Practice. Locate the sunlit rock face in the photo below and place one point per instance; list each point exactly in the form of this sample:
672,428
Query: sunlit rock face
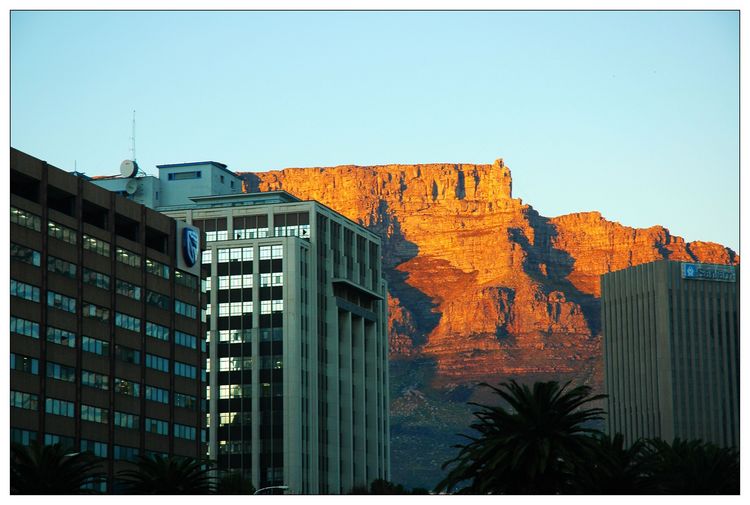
478,279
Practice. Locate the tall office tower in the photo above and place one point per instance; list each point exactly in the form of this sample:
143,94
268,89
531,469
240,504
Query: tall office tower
107,348
297,333
671,351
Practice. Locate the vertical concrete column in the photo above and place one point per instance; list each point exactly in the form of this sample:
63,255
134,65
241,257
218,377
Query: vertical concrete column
372,438
292,362
359,434
255,349
344,402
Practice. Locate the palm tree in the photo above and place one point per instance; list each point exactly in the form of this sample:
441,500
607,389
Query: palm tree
693,467
156,474
50,469
531,447
614,469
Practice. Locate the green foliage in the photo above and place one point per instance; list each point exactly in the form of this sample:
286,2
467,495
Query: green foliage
531,447
382,486
50,469
614,469
234,483
169,475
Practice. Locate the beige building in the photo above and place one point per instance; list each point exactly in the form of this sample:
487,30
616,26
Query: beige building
671,351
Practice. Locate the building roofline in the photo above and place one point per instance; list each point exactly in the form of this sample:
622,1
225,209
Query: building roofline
258,194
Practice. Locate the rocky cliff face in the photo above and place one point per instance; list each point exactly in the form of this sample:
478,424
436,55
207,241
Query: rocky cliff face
480,281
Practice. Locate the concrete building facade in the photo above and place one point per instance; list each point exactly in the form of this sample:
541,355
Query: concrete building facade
298,347
671,351
107,348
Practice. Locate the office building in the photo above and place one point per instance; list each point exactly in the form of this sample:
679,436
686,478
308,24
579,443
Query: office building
297,333
671,351
107,342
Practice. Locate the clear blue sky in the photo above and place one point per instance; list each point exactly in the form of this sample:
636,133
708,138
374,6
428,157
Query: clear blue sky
634,114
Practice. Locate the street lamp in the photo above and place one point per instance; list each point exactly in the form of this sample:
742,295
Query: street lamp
271,487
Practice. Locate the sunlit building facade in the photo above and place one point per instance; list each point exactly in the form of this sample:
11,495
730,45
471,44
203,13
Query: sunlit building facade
298,348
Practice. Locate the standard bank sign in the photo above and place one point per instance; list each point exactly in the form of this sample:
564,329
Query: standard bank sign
188,248
704,272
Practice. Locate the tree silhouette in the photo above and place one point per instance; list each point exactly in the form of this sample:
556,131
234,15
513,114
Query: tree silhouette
51,469
157,474
531,447
614,469
692,467
234,483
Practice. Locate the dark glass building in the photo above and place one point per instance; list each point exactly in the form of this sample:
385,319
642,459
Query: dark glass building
107,338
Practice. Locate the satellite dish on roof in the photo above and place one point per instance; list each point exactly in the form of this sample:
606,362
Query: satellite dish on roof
131,186
128,168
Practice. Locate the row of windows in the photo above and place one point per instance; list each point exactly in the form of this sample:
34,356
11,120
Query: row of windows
232,308
25,364
157,331
25,219
22,400
185,309
94,380
157,394
127,387
127,322
157,362
125,420
185,279
156,268
61,337
157,426
234,254
183,431
24,327
23,290
157,299
60,407
61,232
267,252
95,245
185,339
268,306
95,278
185,370
127,257
96,312
127,289
235,391
25,254
61,302
62,267
230,363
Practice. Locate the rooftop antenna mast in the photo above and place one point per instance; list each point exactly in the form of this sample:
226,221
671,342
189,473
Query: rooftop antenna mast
132,139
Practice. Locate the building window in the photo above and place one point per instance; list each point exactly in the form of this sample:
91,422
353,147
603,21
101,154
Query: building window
127,355
157,331
61,372
24,327
95,245
125,420
157,426
25,254
185,339
99,449
60,232
183,431
23,290
206,256
158,269
185,370
185,309
181,176
94,346
25,219
23,437
59,407
231,363
128,289
123,453
95,278
94,414
127,387
62,267
61,337
61,302
155,394
94,380
185,279
95,312
127,257
157,299
127,322
24,364
22,400
157,363
184,401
